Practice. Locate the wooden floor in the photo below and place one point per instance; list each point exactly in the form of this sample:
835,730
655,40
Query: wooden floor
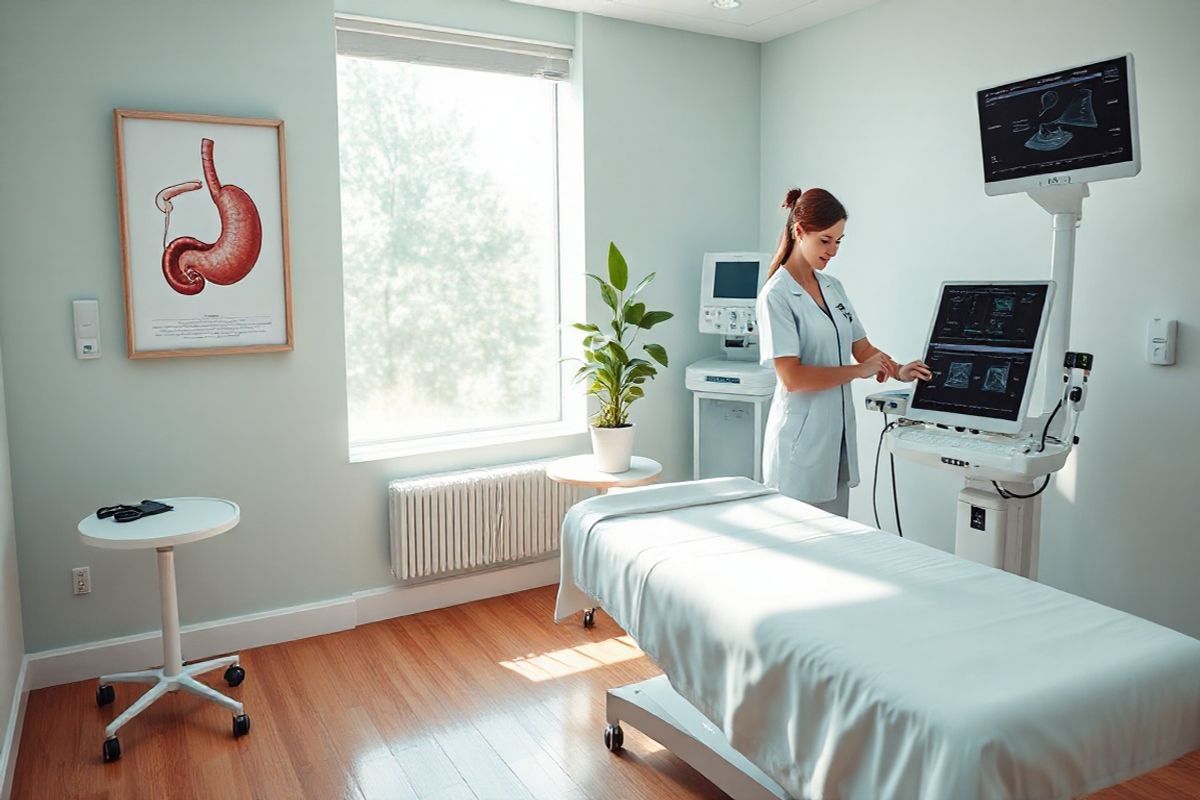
486,700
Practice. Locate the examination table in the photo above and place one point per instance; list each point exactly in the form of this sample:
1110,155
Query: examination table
847,663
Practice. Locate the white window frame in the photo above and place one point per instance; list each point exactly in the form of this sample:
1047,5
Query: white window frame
376,38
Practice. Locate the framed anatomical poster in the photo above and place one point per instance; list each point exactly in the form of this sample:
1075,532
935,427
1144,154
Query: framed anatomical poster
204,234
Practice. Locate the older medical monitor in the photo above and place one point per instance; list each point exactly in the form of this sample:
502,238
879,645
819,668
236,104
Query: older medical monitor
1072,125
983,350
729,284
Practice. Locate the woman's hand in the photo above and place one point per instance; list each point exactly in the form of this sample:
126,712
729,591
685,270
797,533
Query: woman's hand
914,369
874,366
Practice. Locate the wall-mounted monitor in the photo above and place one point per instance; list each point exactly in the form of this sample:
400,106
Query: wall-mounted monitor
1074,125
983,349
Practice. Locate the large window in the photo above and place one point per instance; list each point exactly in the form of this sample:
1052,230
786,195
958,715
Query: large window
450,244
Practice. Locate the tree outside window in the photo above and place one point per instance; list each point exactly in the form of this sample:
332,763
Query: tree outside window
450,259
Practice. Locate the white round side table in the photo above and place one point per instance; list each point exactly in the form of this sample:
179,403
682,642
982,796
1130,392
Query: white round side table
582,471
192,519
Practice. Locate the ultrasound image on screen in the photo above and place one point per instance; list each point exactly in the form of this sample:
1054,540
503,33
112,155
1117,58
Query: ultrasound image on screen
996,379
981,350
1067,120
994,315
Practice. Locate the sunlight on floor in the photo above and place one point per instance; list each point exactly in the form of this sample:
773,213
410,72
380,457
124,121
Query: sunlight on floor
572,660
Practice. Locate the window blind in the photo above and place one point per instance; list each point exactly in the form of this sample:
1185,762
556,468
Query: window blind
373,38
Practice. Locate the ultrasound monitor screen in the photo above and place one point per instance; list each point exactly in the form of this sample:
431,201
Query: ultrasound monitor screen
982,350
736,280
1067,120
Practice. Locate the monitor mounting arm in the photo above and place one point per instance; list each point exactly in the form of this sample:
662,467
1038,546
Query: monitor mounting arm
1064,202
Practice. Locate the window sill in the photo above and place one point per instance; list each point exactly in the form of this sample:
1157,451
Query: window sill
463,441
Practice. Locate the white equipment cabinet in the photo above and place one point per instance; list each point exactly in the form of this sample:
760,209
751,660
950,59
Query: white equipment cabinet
729,414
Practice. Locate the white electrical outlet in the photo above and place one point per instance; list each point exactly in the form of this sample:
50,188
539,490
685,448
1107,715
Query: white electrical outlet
81,580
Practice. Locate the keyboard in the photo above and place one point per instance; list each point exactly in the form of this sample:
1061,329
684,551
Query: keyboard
980,456
962,441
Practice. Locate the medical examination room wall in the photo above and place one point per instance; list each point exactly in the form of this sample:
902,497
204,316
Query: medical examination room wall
879,107
269,430
12,645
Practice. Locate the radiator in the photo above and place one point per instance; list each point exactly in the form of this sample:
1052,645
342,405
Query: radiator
457,522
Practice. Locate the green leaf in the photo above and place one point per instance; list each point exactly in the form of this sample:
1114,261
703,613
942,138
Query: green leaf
643,284
652,318
596,278
610,296
634,391
657,352
634,312
618,270
604,357
585,326
642,371
619,352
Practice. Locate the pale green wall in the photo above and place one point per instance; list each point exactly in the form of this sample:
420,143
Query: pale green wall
12,645
671,139
879,108
670,174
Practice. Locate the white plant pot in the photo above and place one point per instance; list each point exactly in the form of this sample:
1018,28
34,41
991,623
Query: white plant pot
613,448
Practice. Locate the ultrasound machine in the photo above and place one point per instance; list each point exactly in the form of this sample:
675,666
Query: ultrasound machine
1047,136
731,392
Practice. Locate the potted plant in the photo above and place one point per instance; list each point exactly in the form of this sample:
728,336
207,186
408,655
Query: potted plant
612,375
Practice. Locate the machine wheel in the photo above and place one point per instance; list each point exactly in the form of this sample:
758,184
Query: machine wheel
589,618
614,738
105,694
112,749
235,675
241,725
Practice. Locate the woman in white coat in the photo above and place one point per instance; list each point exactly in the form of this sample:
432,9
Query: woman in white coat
811,334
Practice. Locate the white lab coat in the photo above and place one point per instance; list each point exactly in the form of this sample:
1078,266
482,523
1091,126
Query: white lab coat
802,445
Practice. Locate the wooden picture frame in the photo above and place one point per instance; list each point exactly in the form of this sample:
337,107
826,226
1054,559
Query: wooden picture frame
204,234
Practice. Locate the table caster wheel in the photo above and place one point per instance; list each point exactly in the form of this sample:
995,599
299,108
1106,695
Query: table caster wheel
614,738
241,725
589,618
112,749
235,675
105,694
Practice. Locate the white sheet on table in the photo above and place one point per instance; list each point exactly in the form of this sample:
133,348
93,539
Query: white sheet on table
848,663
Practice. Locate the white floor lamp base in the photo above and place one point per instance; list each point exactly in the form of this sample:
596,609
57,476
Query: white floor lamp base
174,674
164,683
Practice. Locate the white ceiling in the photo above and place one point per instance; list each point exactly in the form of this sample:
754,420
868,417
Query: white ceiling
753,20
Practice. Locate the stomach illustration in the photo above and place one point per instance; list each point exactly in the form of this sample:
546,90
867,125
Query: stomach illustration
188,263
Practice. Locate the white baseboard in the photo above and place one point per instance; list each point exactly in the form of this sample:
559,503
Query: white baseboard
139,651
142,650
392,601
12,733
